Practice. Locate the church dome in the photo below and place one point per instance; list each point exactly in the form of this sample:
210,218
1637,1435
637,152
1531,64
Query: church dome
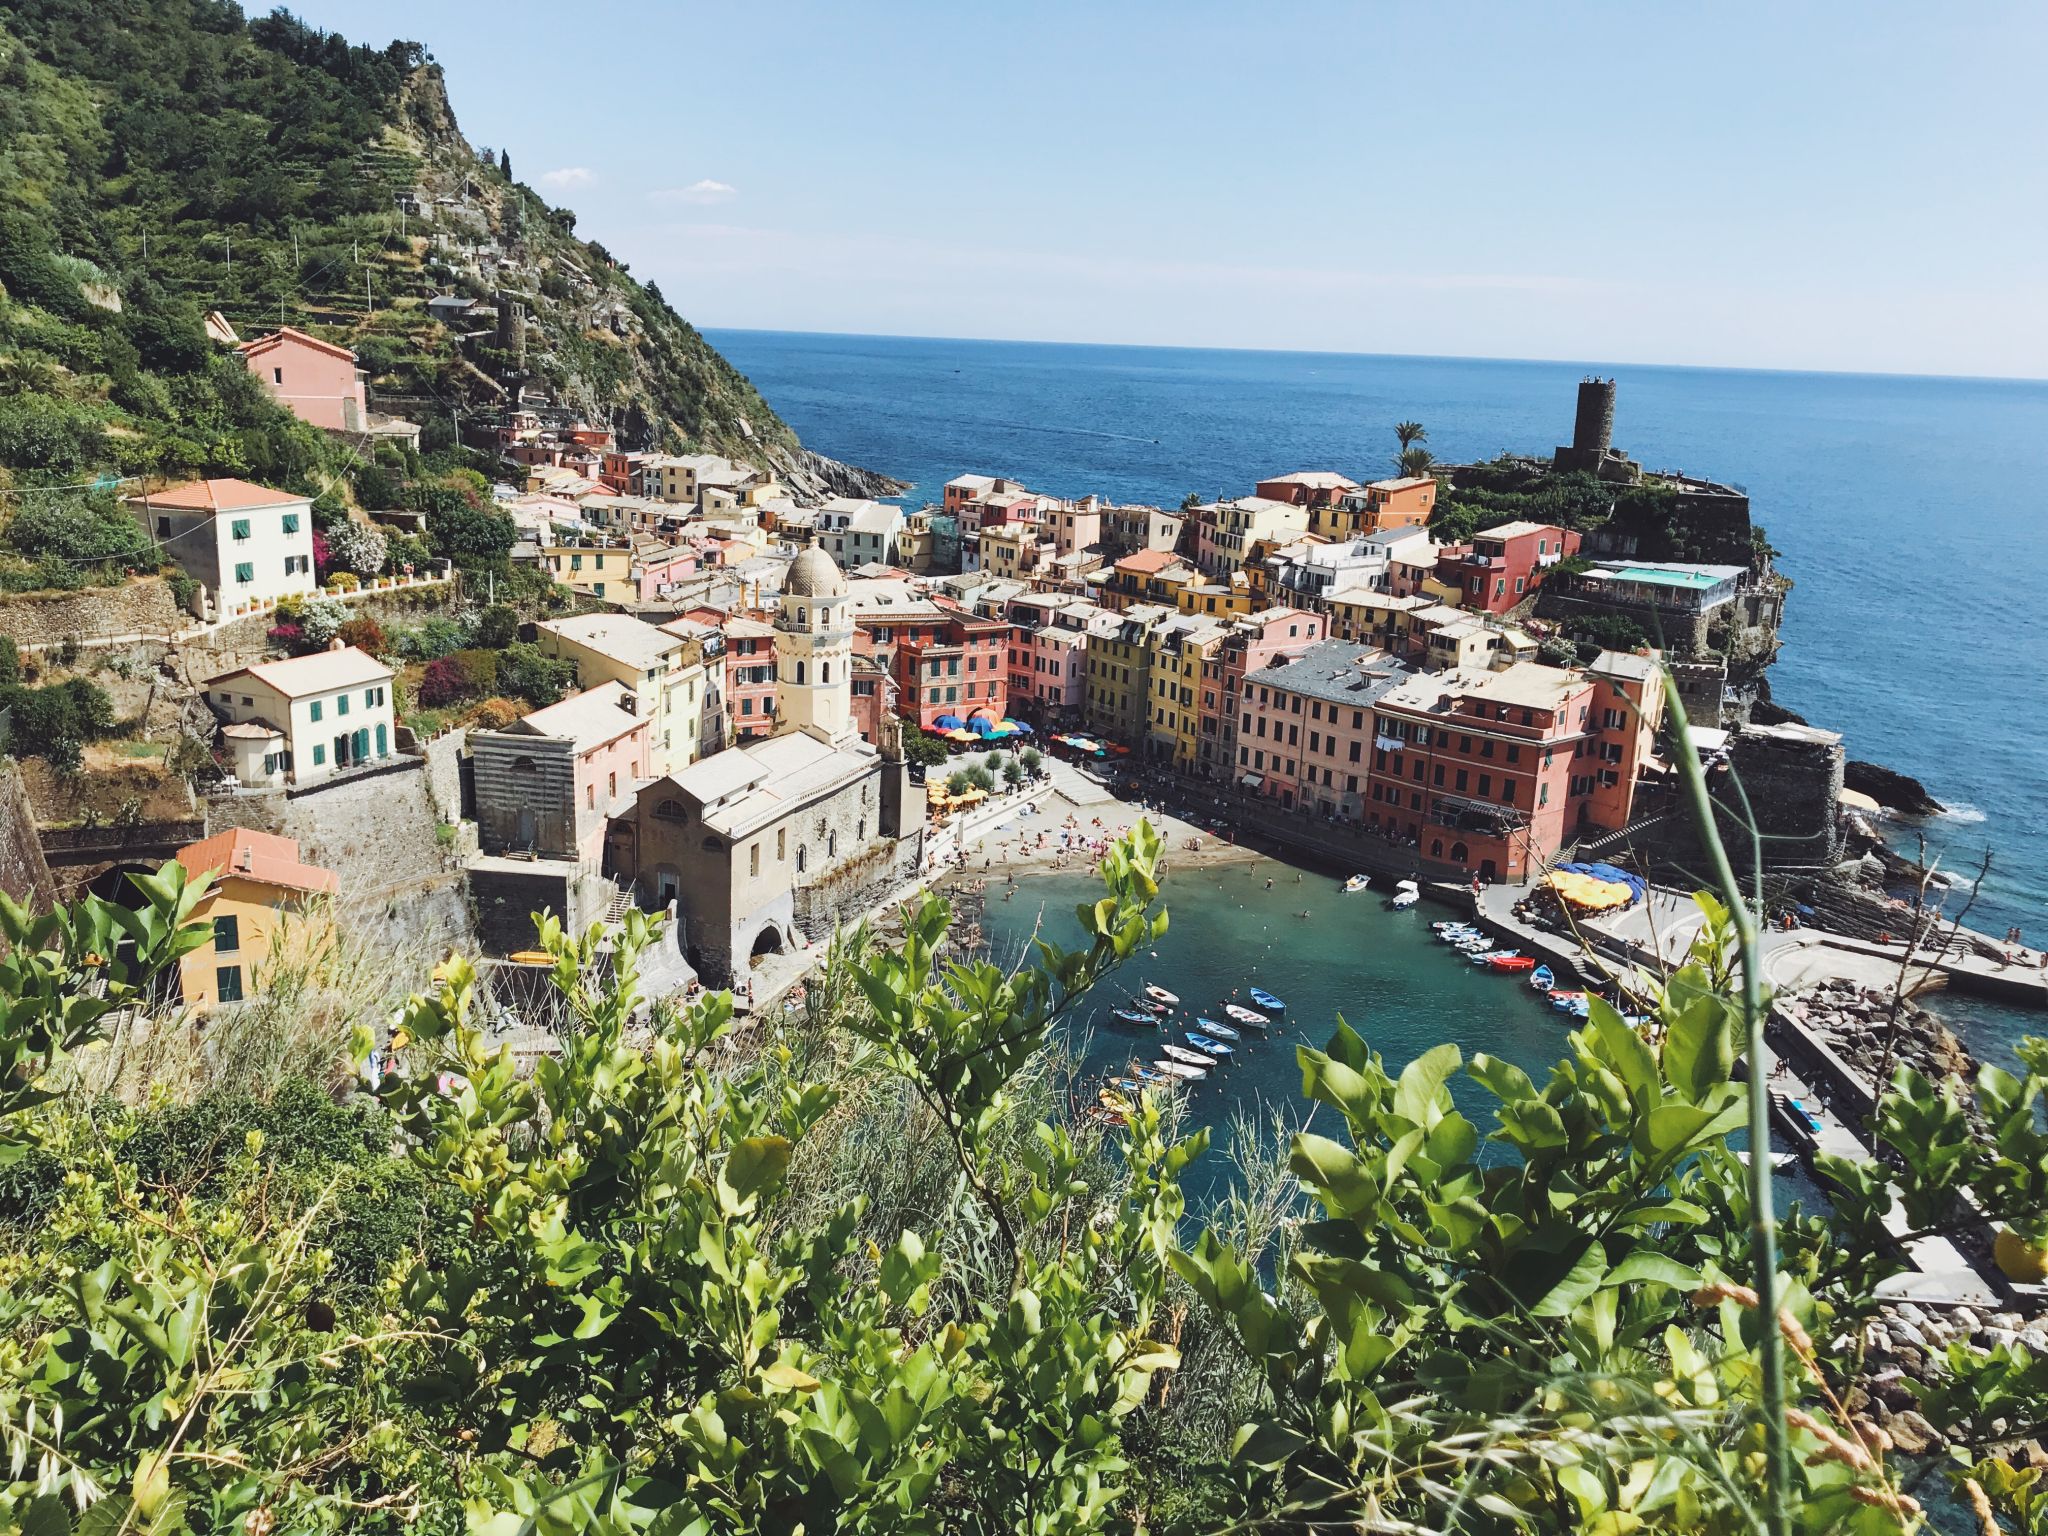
813,573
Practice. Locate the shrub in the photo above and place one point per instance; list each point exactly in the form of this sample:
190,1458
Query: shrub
10,662
344,581
1031,757
352,547
479,670
51,722
495,714
922,749
957,782
79,529
1013,773
981,778
365,634
497,627
289,637
319,623
525,673
405,549
443,683
432,640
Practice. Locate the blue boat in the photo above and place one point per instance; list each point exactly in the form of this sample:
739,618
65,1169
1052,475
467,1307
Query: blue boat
1542,978
1132,1016
1217,1031
1203,1043
1267,1000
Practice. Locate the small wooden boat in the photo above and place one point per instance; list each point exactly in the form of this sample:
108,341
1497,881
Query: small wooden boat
1511,962
1267,1000
1183,1070
1245,1015
1207,1046
1218,1030
1491,956
1542,978
1114,1102
1188,1058
1132,1016
1355,884
1160,995
1562,1000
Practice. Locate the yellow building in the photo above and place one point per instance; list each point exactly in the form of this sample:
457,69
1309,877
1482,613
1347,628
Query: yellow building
259,882
1221,599
1117,693
1179,648
1010,551
914,544
604,570
1359,613
663,672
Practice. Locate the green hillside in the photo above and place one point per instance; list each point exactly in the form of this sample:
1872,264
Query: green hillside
161,160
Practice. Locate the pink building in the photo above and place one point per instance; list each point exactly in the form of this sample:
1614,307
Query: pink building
657,571
1075,525
1253,644
1504,565
550,783
750,676
1305,727
315,380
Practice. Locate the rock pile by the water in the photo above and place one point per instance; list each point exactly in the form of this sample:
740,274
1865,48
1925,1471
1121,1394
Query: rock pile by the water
1856,1020
1907,1345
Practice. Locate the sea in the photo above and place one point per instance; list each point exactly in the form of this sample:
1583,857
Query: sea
1910,513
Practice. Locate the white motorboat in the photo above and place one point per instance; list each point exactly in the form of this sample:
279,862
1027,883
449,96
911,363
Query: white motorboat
1406,894
1161,995
1355,884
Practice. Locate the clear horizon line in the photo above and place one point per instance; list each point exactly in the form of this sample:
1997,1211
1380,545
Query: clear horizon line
1449,357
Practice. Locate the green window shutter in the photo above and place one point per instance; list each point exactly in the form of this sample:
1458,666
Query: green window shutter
245,572
316,716
239,528
291,522
341,705
319,755
227,934
227,983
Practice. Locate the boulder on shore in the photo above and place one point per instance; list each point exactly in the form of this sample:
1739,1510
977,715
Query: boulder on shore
1894,791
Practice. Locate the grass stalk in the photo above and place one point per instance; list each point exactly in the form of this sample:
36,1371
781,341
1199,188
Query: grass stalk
1763,1233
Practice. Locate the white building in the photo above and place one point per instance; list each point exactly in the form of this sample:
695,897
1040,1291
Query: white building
856,532
246,545
304,719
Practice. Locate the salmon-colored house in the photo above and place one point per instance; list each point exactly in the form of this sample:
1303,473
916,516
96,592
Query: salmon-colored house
315,380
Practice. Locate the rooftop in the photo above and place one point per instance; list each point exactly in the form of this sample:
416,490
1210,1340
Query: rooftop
589,719
299,677
1314,479
219,496
630,642
1663,573
744,788
1516,530
1527,684
259,856
1626,665
1400,483
1340,671
1148,562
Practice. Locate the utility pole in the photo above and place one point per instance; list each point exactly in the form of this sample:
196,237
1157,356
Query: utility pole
231,256
369,304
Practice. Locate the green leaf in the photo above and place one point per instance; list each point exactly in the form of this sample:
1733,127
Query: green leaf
1648,1267
1581,1281
1503,1079
1699,1048
1422,1082
1335,1173
784,1377
754,1165
1627,1052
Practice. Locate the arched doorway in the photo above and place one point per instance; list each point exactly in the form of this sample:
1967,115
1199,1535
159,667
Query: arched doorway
769,941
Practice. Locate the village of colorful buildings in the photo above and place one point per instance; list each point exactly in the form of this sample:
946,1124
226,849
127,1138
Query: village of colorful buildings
760,680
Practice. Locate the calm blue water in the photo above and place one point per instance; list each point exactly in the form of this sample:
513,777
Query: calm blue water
1910,511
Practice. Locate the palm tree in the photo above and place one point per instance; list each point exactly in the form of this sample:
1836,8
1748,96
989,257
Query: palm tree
1414,462
1410,433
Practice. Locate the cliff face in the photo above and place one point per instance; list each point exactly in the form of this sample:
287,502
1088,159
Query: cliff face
161,161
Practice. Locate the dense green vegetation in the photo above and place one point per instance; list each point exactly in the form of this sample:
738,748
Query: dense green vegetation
1482,496
860,1275
164,160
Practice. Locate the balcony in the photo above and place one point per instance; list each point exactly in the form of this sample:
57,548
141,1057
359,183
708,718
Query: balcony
1464,814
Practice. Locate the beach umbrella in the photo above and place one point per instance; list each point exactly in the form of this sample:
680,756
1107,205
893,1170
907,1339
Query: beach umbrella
949,722
980,725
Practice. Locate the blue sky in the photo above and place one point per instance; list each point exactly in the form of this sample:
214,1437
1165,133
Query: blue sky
1803,185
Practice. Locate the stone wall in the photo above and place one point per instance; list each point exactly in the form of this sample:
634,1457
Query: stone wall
376,831
23,874
142,607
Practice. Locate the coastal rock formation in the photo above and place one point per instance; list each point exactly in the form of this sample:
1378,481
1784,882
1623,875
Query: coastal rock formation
1893,790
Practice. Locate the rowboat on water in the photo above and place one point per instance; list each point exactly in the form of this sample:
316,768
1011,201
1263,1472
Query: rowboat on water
1187,1057
1245,1015
1267,1000
1355,884
1160,995
1132,1016
1207,1046
1183,1070
1492,956
1219,1030
1542,978
1513,963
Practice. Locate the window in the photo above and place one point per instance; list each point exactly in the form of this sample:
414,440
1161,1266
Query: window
782,842
316,709
227,983
277,375
245,572
291,522
227,934
754,860
341,704
319,755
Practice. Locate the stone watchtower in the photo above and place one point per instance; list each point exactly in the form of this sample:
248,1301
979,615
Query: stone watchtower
1592,449
814,651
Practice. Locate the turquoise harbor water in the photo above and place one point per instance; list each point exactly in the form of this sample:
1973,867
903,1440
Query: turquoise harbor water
1383,971
1909,511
